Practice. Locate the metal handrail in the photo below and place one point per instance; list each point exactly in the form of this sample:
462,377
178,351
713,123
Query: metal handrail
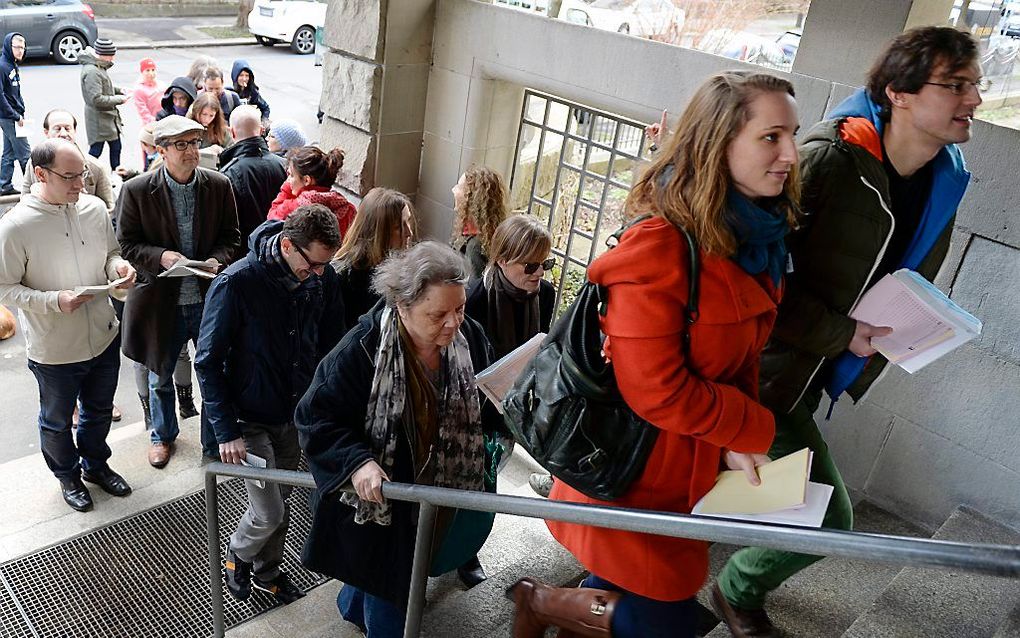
996,560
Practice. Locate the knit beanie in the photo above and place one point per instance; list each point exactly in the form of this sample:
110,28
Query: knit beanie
289,134
146,63
104,46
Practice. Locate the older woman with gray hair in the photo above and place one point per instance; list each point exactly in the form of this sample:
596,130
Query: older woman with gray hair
396,400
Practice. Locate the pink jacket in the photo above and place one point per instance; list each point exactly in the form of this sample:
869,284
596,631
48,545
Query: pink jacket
147,99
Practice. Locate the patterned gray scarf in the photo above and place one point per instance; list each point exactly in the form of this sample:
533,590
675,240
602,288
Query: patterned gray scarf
460,450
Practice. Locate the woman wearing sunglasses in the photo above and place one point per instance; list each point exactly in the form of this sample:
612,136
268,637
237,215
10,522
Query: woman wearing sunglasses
512,301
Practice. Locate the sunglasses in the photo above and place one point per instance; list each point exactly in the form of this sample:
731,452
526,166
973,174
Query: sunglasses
530,268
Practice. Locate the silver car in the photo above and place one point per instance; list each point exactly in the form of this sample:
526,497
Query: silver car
61,28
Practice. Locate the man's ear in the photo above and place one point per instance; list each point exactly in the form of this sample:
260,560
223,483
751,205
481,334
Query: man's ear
896,98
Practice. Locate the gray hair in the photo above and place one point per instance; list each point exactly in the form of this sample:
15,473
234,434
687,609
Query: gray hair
246,119
404,276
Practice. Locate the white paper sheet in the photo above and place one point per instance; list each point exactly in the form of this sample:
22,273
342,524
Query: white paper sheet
99,290
190,267
810,515
496,380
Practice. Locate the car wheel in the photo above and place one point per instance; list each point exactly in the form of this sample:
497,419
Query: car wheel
304,40
67,46
264,41
624,28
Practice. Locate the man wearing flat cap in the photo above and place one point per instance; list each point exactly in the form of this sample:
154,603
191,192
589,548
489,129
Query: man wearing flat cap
179,211
101,97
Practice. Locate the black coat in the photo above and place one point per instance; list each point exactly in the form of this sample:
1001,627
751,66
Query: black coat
359,298
182,83
259,343
478,308
256,176
330,419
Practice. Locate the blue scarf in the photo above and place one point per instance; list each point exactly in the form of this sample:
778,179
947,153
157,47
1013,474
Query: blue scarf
760,233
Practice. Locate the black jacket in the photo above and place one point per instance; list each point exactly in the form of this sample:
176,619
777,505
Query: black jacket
477,308
331,425
359,298
12,106
249,94
182,83
256,176
259,343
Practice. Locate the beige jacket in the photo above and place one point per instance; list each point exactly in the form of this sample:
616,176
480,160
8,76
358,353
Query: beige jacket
46,248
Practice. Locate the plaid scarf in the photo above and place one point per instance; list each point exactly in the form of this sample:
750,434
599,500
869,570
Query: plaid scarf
460,449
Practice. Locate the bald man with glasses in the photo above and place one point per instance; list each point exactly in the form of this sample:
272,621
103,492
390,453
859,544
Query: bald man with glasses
180,211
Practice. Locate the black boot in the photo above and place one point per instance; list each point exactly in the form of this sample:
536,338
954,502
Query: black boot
146,411
186,402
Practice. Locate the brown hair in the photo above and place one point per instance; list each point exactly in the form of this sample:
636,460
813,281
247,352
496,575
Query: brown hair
367,243
516,239
311,161
216,132
485,203
910,59
687,183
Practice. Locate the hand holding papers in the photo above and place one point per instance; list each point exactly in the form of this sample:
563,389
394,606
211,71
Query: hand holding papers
784,496
190,267
105,289
250,460
926,324
496,380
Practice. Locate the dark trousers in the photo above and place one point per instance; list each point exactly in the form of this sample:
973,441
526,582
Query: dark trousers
96,150
15,149
60,385
374,616
640,617
161,384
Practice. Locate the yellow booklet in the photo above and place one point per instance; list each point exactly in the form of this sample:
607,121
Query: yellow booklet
783,486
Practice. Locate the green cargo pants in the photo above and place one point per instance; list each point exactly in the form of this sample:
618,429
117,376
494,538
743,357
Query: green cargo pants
753,572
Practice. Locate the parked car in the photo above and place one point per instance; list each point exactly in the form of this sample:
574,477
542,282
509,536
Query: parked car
658,19
747,47
290,21
61,28
1011,25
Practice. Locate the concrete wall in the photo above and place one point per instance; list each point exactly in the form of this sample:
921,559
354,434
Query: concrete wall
923,443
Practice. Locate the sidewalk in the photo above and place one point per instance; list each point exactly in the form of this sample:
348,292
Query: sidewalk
164,32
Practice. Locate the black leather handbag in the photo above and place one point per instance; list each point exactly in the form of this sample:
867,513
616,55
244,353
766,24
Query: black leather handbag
565,407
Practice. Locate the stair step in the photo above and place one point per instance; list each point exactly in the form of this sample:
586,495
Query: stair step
827,597
932,603
1010,628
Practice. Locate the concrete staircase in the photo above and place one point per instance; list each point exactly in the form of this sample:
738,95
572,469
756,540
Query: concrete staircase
834,597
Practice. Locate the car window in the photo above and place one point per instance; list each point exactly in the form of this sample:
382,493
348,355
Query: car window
28,3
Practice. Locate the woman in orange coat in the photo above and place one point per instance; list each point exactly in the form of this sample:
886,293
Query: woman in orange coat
729,176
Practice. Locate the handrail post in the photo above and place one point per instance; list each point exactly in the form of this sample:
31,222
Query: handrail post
212,525
420,570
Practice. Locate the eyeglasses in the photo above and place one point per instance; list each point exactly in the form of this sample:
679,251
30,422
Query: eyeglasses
183,145
959,88
530,268
68,178
312,265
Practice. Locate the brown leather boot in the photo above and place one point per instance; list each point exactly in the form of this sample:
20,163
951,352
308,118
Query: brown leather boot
743,623
577,611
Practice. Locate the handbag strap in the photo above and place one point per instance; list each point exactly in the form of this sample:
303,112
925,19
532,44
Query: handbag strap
694,268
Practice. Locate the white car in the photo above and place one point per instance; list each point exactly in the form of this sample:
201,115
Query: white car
290,21
657,19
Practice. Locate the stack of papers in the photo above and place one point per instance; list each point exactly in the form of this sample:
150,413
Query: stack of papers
189,268
496,380
926,323
785,494
105,289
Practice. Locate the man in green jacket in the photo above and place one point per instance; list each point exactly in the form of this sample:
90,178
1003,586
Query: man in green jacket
881,181
102,119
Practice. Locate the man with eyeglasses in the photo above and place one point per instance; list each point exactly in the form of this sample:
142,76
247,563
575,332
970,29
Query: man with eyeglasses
12,112
881,179
57,240
270,318
63,125
179,211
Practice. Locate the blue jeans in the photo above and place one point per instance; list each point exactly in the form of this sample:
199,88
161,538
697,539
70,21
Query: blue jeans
97,149
376,617
14,148
640,617
60,386
162,398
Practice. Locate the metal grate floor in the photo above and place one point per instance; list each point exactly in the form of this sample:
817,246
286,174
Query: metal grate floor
142,576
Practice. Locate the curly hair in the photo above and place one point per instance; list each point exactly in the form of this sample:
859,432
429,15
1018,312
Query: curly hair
485,204
687,183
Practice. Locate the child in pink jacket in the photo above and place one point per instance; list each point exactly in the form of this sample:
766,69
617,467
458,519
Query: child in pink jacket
147,94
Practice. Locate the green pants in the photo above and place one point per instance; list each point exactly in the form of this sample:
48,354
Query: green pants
753,572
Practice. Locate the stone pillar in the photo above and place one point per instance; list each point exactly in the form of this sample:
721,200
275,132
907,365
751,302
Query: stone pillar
374,82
